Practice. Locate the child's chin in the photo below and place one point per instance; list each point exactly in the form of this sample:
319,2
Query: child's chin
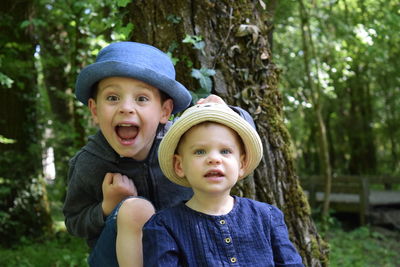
127,155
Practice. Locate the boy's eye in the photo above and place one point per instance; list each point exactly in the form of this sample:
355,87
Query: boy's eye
142,99
226,151
112,98
199,152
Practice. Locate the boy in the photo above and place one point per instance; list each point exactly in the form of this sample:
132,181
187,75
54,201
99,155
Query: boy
131,92
210,148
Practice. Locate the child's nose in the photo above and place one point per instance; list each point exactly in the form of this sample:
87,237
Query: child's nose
127,107
214,158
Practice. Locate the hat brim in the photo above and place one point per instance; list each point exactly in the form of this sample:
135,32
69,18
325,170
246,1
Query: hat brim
214,113
100,70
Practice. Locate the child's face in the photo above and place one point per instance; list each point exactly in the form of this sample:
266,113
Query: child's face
211,157
128,112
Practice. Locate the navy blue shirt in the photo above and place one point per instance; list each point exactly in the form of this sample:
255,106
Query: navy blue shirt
251,234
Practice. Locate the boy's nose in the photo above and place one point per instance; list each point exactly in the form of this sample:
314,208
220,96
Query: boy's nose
127,107
214,158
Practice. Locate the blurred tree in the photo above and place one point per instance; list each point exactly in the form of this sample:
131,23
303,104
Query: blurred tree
228,43
357,51
311,65
24,209
69,34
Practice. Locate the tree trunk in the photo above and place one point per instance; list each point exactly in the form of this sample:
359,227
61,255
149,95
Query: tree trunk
360,130
23,200
59,63
236,36
315,93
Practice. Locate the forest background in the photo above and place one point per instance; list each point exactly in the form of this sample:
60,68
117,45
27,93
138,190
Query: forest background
335,64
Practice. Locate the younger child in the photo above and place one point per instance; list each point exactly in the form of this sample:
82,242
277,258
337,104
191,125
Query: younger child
210,148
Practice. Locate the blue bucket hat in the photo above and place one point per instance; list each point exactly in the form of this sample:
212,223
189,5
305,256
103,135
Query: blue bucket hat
134,60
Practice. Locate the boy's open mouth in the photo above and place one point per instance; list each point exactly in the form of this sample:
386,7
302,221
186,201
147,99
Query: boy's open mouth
127,131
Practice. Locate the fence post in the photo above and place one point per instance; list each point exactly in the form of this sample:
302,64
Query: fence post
364,201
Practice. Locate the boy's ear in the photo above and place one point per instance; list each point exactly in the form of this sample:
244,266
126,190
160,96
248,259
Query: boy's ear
177,162
243,164
93,109
167,108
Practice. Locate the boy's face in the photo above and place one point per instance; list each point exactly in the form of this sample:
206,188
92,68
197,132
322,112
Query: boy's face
128,112
211,157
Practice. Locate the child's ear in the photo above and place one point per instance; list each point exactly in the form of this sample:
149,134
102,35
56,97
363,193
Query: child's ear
93,109
243,164
167,108
177,161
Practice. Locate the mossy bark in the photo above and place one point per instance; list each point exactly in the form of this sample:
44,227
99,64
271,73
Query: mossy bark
237,36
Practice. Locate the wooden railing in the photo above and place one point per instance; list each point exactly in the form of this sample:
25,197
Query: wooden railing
353,193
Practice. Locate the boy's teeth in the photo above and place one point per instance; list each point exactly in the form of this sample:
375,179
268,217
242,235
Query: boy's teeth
125,125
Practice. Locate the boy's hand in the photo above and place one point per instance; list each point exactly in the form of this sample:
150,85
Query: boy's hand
211,99
116,187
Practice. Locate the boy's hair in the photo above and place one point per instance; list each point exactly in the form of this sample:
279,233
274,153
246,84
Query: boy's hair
212,112
134,60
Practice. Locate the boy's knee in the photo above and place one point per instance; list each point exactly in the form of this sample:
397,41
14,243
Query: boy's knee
135,212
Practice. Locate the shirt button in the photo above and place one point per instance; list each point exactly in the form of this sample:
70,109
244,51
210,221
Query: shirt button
233,259
227,240
222,222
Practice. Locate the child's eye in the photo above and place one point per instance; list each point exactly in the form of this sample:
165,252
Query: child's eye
199,152
142,99
112,98
226,151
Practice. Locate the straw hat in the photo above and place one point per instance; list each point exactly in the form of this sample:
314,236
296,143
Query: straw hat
133,60
213,112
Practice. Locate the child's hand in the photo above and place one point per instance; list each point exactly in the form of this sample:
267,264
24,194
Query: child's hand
211,99
116,187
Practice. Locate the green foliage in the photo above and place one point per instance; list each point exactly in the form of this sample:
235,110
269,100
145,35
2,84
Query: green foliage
196,41
61,249
5,80
203,74
356,65
359,247
4,140
123,3
174,19
70,35
58,248
363,247
20,202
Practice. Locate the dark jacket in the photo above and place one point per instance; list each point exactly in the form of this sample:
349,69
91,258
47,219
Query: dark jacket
82,206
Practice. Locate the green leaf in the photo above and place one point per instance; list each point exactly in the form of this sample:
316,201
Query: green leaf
5,81
203,75
123,3
196,74
199,45
174,19
4,140
25,24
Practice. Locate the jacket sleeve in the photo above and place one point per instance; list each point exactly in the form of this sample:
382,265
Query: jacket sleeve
285,254
82,209
159,247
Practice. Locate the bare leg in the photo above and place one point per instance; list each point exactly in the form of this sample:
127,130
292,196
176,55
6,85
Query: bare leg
132,215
